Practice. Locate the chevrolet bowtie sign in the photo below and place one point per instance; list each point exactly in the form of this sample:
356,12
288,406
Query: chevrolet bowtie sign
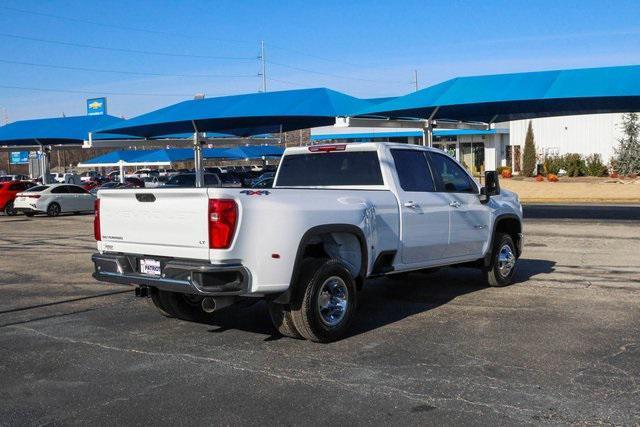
96,106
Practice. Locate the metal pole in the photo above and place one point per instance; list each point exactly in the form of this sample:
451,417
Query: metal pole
415,78
43,161
121,167
197,157
264,67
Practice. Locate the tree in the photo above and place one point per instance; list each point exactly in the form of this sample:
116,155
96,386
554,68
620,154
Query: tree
529,158
627,155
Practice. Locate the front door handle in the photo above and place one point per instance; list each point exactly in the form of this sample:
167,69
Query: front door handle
411,204
455,204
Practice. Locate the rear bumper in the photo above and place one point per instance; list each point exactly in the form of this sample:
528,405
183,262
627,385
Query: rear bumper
178,275
28,210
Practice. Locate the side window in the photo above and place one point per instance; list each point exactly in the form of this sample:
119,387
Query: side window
413,170
77,190
60,190
450,176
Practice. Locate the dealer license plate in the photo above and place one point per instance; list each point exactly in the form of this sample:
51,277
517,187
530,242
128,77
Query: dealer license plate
150,267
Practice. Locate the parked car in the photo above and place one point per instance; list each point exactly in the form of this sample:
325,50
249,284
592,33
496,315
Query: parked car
336,216
134,182
187,180
8,192
7,178
113,175
88,176
167,172
111,185
54,199
151,182
230,180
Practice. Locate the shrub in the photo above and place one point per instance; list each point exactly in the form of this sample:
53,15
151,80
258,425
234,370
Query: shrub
506,173
614,175
552,178
573,164
553,164
529,158
539,178
594,166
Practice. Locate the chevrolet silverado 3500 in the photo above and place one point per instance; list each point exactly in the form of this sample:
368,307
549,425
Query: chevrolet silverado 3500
336,215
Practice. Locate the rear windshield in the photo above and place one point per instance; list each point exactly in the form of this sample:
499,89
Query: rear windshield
335,169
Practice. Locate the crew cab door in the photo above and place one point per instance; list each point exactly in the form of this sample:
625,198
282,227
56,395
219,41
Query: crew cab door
470,219
424,212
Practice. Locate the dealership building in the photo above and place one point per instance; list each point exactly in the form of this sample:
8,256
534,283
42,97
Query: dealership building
503,143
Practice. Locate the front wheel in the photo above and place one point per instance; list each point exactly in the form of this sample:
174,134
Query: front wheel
9,210
326,303
53,209
503,261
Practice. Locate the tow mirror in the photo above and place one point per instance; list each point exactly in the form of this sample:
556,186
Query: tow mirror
491,186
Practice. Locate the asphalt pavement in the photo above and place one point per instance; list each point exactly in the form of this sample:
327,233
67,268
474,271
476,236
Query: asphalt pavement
560,346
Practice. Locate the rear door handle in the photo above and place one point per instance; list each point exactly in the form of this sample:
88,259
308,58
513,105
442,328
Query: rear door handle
455,204
411,204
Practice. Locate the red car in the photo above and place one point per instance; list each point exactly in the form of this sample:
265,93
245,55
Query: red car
8,191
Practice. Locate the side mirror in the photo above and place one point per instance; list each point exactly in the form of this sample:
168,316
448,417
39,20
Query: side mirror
491,186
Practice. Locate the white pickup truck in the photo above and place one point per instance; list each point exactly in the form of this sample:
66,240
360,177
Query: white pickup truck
337,215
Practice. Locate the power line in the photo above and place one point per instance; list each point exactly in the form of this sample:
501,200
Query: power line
120,27
306,70
115,49
182,35
139,73
94,92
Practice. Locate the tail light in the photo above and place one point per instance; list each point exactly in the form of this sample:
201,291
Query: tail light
31,196
96,220
223,216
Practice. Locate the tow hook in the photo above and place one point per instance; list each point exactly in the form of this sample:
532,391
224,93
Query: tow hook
142,291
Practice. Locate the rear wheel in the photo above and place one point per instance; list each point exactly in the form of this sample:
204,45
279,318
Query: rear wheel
503,262
159,300
9,210
325,305
53,209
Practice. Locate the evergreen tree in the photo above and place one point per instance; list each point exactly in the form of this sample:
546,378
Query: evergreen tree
529,158
627,155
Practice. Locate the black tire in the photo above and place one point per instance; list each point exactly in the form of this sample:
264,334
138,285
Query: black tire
53,209
9,210
159,300
317,278
503,254
185,307
283,320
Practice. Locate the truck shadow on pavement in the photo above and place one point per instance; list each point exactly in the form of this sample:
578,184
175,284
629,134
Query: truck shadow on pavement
385,301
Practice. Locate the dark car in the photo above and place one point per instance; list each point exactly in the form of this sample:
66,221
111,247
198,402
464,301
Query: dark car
134,182
189,180
111,186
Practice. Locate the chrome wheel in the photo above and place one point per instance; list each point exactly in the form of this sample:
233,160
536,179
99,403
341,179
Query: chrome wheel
506,260
333,299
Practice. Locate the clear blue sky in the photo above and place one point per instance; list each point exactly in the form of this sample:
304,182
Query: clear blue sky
365,48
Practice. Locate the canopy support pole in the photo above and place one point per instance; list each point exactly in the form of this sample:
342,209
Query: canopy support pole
43,162
427,131
121,167
197,157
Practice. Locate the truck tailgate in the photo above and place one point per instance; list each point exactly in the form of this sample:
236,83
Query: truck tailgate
161,222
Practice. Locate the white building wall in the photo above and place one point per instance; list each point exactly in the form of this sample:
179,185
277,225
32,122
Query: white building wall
586,134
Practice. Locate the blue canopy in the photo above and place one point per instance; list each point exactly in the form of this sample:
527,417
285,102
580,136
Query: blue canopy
55,131
245,115
517,96
140,157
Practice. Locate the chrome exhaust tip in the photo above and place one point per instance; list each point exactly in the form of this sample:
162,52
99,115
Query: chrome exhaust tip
208,305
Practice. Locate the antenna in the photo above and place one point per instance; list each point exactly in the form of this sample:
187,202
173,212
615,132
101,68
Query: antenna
415,79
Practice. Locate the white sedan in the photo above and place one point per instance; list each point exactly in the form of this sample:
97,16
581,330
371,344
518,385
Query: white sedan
54,199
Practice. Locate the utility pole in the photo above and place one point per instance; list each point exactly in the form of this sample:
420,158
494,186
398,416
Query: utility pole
415,79
264,67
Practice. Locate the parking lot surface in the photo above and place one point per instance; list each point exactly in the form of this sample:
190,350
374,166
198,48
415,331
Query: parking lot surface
561,346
